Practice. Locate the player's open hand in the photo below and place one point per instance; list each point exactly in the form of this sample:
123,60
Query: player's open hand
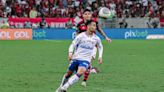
100,60
108,39
70,55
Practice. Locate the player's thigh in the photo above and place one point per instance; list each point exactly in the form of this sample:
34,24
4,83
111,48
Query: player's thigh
81,70
83,66
73,66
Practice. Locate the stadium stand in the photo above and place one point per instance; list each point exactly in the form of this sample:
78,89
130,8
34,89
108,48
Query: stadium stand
71,8
13,10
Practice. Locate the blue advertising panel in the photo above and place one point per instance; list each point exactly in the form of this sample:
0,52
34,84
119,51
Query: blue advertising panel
135,33
65,34
56,34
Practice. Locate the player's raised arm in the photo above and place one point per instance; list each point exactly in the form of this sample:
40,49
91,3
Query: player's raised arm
100,49
100,30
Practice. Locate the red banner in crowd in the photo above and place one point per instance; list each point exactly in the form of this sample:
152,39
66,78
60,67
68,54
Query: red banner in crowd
162,22
37,20
52,22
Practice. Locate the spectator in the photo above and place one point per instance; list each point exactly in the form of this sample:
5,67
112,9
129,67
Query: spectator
69,24
1,13
65,3
123,23
12,25
35,25
155,23
38,2
5,25
145,5
112,5
27,24
95,9
7,11
19,25
148,23
43,23
33,13
162,14
18,10
76,3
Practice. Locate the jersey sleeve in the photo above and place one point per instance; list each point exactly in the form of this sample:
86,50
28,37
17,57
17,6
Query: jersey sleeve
74,43
100,48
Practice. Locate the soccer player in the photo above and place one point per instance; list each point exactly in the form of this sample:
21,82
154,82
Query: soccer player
80,53
81,27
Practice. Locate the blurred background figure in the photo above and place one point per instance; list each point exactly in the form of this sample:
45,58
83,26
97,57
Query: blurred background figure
43,23
153,23
69,24
27,24
123,23
33,13
4,24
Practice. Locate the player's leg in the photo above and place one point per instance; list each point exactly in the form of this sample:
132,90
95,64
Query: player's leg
86,76
66,77
87,73
64,80
83,66
74,78
72,67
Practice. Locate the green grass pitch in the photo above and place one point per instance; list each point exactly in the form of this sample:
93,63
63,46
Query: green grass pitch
38,66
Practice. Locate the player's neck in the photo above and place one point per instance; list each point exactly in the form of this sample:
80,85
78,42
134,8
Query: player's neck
85,20
89,33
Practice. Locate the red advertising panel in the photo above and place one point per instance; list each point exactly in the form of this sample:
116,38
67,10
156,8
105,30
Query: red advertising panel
15,34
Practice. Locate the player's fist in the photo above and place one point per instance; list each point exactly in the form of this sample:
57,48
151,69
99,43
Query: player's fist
100,60
70,55
108,39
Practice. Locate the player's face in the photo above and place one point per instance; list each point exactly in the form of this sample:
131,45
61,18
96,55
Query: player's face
87,15
92,27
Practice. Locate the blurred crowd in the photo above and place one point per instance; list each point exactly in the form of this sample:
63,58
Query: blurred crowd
72,8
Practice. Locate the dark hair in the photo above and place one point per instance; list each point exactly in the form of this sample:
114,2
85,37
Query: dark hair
87,10
89,22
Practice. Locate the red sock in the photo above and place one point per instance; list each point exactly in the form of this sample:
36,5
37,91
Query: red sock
86,75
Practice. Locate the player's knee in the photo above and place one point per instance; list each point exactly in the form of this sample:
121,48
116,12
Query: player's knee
79,75
81,70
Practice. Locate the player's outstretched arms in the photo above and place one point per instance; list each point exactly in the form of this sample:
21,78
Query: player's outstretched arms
100,30
108,39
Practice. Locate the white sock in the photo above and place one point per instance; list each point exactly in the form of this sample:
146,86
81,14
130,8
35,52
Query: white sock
64,80
71,81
